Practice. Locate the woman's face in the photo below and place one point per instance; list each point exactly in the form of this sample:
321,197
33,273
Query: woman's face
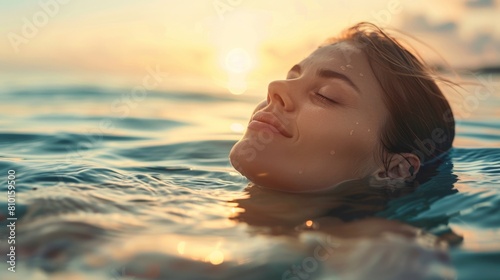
324,142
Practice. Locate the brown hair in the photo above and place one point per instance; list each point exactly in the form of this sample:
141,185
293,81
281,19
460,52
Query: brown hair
421,121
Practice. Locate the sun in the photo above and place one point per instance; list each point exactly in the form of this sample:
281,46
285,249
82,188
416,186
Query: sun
238,60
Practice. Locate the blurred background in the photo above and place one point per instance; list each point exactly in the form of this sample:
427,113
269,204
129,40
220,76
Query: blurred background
224,46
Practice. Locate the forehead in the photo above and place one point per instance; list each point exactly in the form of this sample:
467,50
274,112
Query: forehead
341,54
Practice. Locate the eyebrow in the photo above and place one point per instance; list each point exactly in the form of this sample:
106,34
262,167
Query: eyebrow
330,74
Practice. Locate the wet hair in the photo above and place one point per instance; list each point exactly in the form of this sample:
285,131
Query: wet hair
420,118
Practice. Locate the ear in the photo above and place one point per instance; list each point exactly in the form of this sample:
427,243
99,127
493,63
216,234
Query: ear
404,166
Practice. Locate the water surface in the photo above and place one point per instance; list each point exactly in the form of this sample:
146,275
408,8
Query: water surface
110,187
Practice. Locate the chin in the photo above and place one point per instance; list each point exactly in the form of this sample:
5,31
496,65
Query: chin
263,179
265,169
235,158
250,166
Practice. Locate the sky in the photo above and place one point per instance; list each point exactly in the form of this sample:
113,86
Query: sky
235,46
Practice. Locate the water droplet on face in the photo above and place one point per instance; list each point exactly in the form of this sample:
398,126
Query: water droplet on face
361,74
369,130
332,152
352,131
349,66
342,67
357,122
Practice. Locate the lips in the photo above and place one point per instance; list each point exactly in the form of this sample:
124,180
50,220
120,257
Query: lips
271,119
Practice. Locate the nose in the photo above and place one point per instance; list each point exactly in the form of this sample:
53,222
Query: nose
278,92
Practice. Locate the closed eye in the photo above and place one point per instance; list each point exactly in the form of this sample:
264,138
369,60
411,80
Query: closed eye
324,98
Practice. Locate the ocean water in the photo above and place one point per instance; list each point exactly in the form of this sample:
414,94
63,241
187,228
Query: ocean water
115,186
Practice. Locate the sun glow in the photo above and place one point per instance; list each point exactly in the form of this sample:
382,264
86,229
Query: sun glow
238,39
216,257
238,60
237,84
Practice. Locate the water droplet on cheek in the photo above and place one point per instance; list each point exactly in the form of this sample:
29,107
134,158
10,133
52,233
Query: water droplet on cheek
349,66
357,122
342,67
361,74
369,130
352,132
332,152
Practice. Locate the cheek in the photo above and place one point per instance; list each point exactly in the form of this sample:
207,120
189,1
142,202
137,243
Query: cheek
340,136
327,128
